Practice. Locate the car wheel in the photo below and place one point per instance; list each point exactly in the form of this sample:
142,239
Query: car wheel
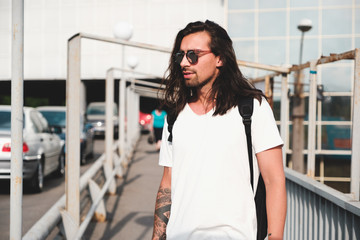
61,168
37,181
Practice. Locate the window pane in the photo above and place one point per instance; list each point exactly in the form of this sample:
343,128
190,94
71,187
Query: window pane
272,52
241,4
357,20
337,21
276,107
336,2
241,25
304,3
336,108
335,45
310,50
272,24
272,4
337,78
336,137
357,42
244,50
297,16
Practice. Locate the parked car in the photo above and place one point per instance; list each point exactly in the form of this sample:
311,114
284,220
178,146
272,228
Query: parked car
42,153
95,114
145,121
56,117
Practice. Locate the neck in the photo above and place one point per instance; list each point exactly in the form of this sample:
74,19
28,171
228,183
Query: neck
204,102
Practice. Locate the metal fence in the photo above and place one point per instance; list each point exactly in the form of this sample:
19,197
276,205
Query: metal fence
316,211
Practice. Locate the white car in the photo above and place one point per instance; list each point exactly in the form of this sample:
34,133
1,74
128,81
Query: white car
42,153
95,115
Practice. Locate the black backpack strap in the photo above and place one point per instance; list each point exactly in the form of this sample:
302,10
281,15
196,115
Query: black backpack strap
170,118
245,106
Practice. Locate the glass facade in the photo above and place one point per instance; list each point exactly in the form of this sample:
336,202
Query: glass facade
266,32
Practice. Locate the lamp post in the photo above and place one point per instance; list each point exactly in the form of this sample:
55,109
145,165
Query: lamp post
298,113
124,31
132,113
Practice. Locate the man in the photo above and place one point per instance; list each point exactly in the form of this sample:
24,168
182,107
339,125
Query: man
205,191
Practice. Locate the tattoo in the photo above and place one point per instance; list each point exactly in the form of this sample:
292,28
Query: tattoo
162,213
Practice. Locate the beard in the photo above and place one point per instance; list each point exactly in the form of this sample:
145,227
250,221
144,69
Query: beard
195,83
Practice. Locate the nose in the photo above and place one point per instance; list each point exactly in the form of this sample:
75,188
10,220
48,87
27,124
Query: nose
184,62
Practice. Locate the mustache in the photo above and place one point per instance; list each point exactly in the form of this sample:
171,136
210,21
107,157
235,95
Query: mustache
187,69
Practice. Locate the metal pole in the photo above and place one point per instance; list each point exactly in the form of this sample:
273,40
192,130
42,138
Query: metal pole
72,172
109,122
355,158
17,89
298,114
312,120
129,117
284,114
122,86
121,141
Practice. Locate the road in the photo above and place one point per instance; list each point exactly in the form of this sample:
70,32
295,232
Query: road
36,205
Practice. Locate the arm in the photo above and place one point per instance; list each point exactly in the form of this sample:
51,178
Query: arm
272,171
162,207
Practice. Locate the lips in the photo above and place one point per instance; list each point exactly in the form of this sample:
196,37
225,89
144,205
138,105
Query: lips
187,74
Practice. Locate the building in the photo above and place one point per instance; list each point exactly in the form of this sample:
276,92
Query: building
266,32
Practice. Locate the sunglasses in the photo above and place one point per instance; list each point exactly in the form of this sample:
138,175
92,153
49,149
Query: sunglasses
191,55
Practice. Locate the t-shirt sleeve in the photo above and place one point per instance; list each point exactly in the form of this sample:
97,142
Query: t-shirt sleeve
165,156
265,134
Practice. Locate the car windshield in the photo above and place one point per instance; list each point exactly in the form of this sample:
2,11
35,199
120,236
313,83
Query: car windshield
5,120
96,110
99,110
55,118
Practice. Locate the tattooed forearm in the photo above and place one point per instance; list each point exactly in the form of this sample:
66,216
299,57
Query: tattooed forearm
162,213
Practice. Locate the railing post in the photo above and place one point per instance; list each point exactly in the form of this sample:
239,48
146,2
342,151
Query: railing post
122,86
355,158
72,172
17,90
109,125
284,114
129,117
312,120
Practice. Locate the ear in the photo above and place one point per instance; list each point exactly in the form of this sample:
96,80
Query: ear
219,62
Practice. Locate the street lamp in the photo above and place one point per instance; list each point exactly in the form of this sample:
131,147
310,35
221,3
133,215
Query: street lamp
132,62
123,31
298,113
304,26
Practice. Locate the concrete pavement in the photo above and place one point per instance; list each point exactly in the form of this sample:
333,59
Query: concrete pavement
130,211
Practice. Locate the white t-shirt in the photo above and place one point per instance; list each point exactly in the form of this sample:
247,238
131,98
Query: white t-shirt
210,188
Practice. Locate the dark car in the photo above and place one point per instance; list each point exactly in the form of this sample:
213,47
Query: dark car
56,116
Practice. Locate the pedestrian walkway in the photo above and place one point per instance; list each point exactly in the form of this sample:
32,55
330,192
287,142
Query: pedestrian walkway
130,211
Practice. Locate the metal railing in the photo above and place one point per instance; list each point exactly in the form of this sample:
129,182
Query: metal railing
312,122
316,211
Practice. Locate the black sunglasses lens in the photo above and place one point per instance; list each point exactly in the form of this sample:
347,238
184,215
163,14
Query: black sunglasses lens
178,57
192,57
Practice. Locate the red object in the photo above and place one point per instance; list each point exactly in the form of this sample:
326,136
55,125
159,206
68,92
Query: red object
145,119
7,147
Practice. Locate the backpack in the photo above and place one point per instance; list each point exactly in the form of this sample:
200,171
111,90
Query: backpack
245,106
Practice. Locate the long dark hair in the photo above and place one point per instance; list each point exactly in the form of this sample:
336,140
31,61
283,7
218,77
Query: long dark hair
229,85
